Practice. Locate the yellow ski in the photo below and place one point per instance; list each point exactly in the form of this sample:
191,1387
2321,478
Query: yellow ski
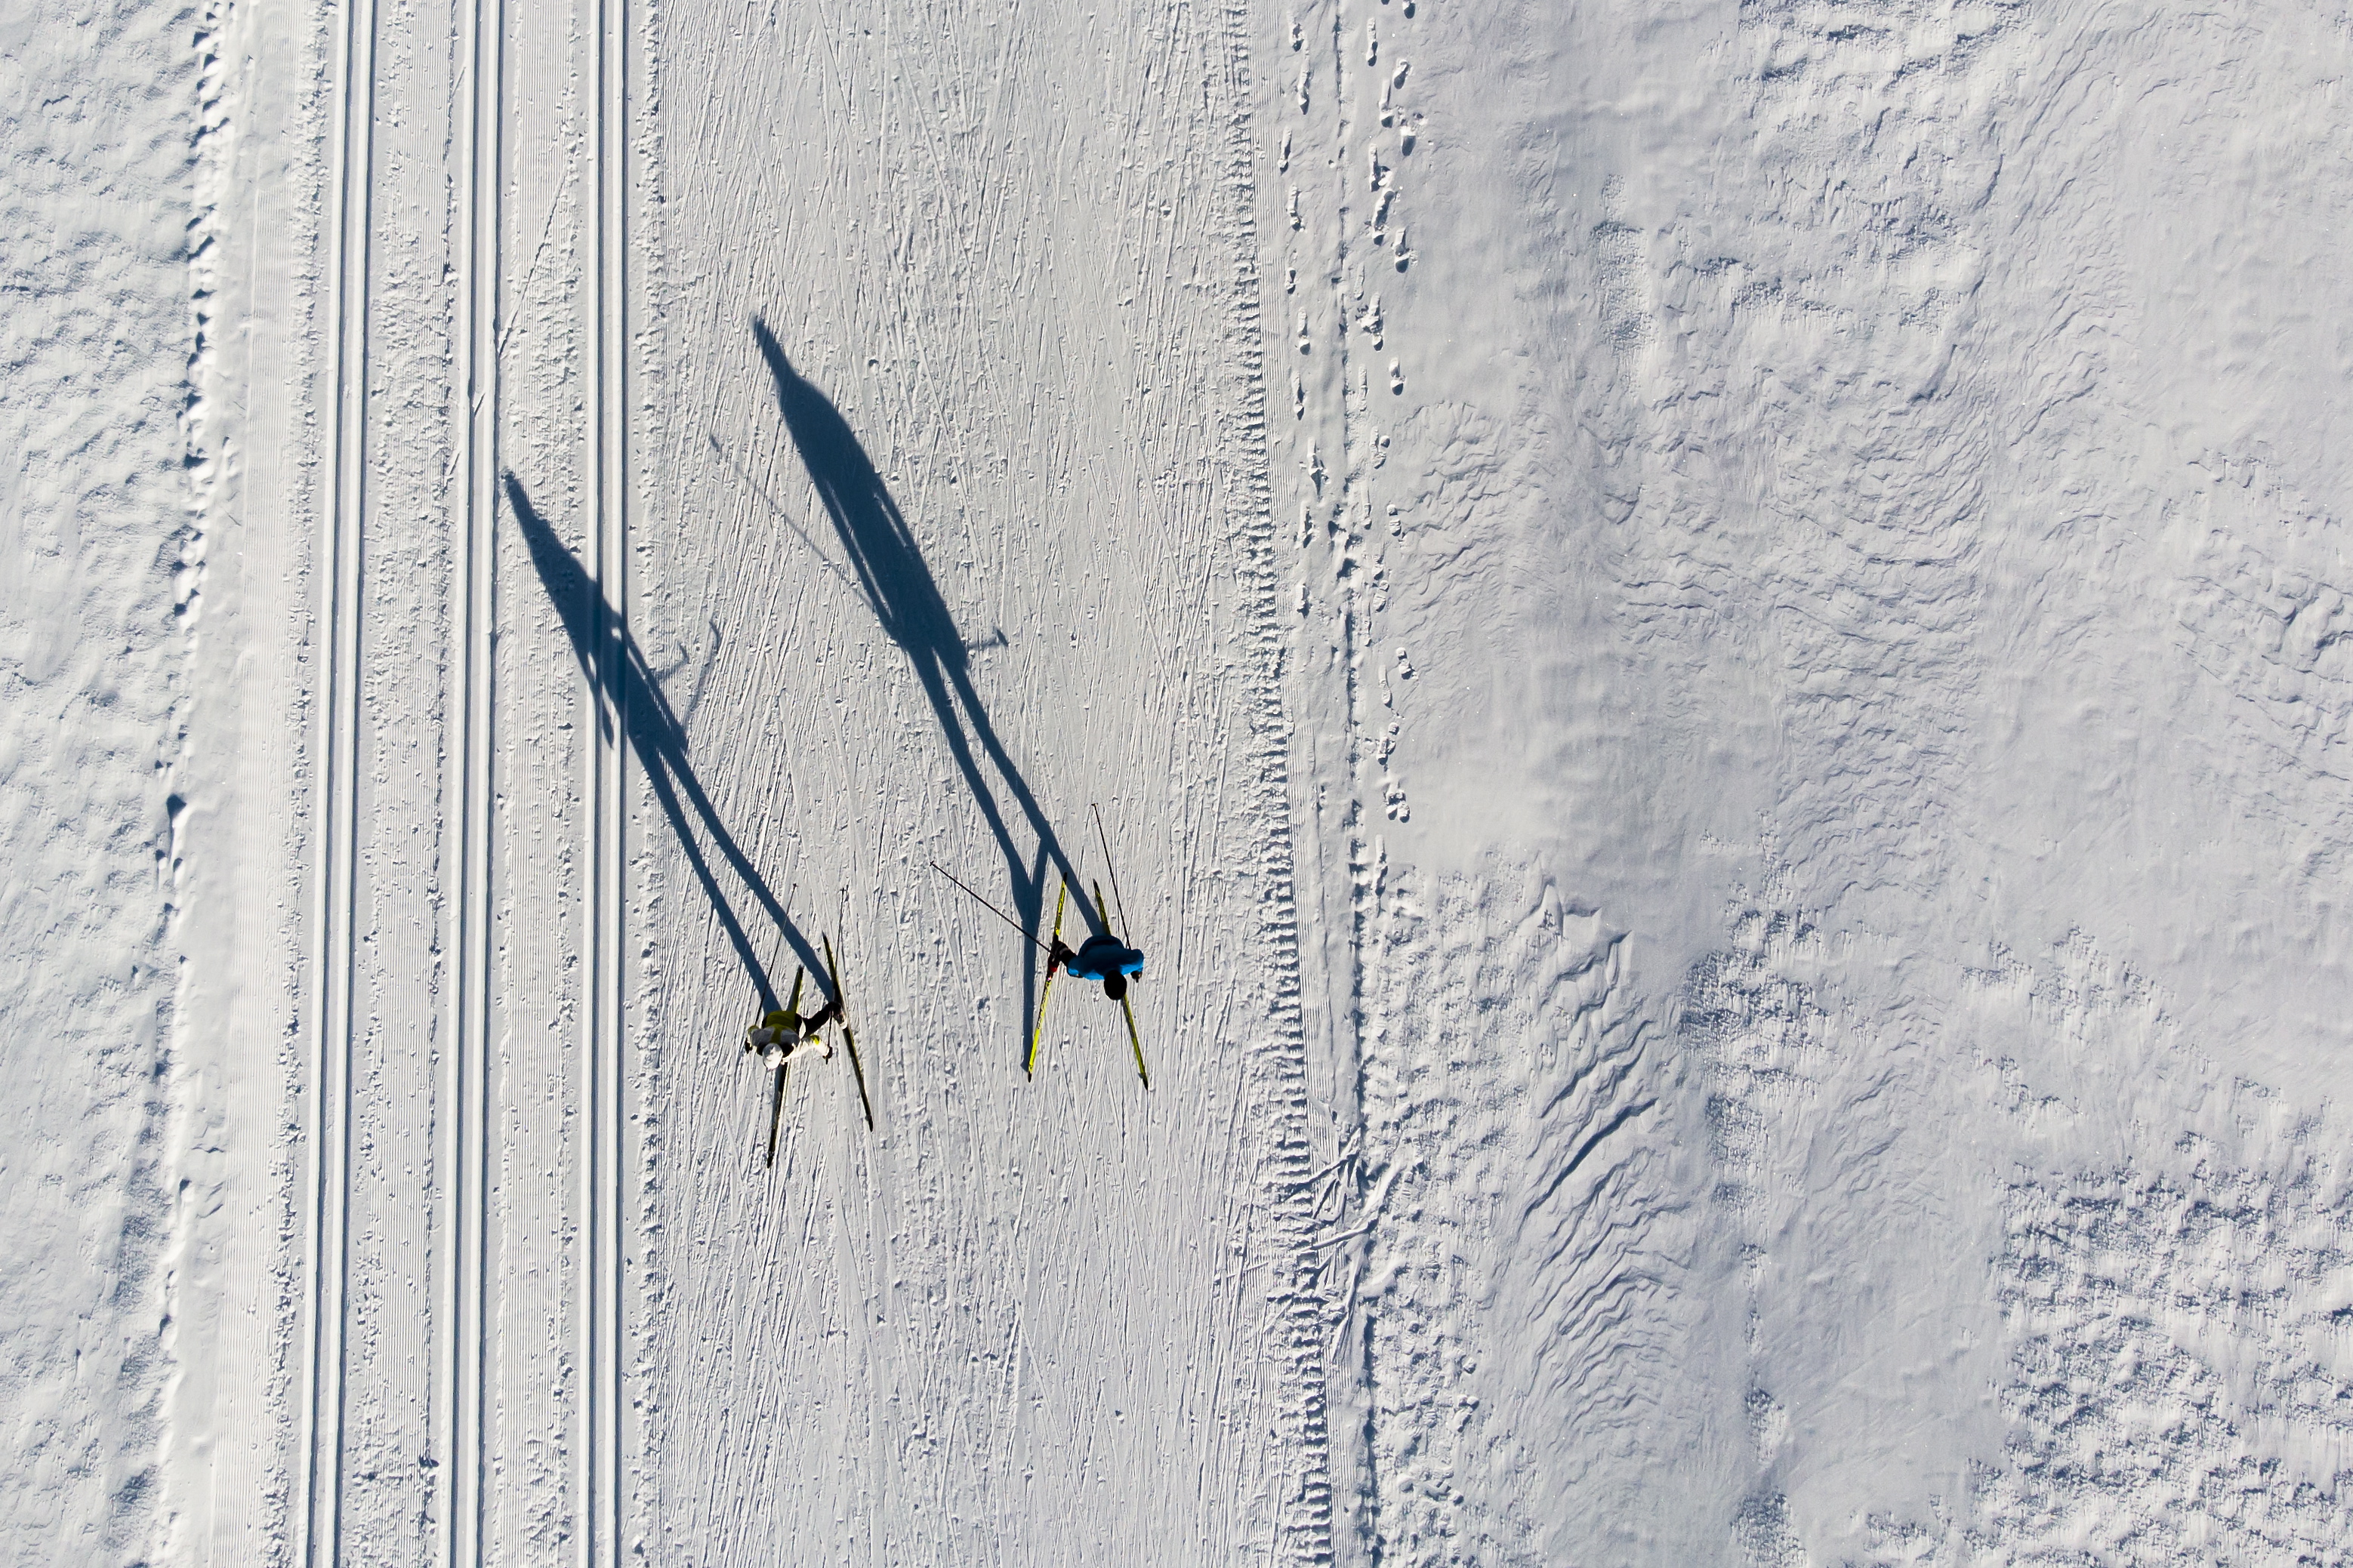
777,1111
1029,1062
1134,1042
848,1038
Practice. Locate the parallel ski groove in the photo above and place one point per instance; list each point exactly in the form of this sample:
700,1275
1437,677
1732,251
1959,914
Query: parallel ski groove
609,479
320,1495
466,1149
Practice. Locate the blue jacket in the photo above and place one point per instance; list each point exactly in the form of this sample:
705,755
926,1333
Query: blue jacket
1102,957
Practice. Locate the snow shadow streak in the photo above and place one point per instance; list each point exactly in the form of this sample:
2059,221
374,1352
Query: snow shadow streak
656,736
902,592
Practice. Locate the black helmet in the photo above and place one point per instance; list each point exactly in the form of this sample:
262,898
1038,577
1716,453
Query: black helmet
1114,986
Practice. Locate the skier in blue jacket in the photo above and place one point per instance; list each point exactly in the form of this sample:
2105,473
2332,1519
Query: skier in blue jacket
1101,957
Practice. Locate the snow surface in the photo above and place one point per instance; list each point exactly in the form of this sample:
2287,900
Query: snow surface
1715,640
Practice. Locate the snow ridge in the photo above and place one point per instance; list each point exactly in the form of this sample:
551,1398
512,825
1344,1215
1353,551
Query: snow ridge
208,458
96,259
1301,1512
1519,1290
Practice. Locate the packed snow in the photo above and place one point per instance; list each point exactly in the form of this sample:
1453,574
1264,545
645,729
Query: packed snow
1714,645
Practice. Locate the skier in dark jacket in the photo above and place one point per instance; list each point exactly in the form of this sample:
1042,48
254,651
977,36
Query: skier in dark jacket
784,1032
1100,957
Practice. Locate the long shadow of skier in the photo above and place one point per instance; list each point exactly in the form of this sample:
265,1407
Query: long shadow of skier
655,735
899,590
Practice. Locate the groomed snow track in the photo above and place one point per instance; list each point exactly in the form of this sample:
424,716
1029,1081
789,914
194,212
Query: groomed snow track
529,1142
413,1074
318,1497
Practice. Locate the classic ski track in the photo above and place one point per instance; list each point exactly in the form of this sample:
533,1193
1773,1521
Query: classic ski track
600,1167
319,1494
465,1153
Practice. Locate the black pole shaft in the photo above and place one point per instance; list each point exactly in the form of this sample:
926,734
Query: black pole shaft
1128,931
992,909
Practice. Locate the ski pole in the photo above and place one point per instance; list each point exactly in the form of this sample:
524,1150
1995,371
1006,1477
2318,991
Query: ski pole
1117,896
992,909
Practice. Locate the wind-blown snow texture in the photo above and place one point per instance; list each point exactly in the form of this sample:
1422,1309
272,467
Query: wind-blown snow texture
104,347
1712,643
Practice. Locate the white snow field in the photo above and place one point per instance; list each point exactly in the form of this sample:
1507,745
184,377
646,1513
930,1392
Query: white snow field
1714,638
